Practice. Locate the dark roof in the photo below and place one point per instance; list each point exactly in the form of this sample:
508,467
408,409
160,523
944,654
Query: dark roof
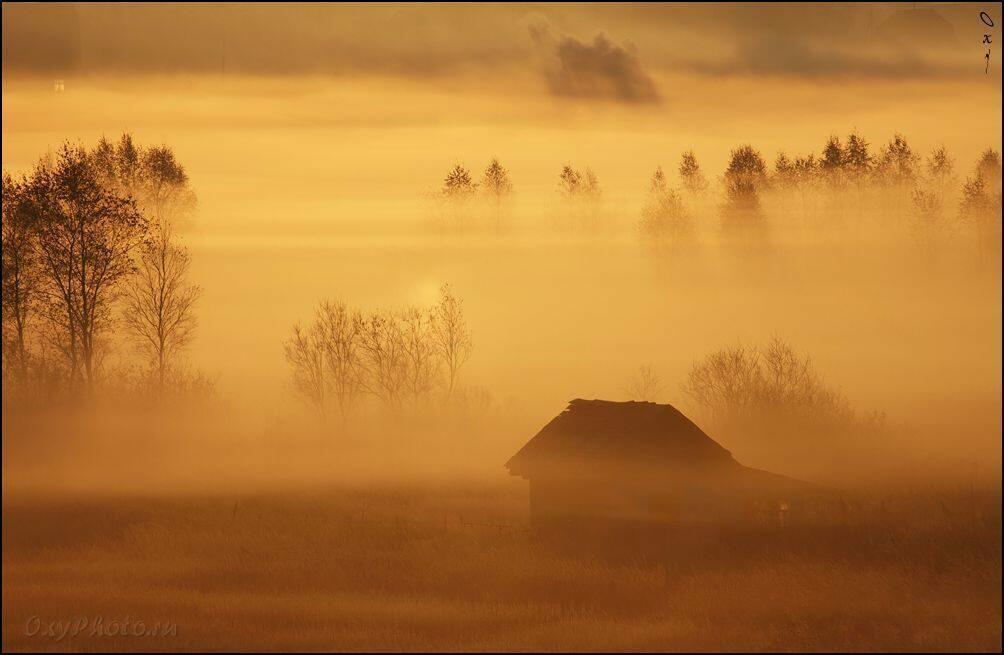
602,433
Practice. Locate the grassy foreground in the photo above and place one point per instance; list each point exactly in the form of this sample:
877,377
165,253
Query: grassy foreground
453,568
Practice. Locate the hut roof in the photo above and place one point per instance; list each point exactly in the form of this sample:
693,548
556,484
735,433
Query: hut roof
602,433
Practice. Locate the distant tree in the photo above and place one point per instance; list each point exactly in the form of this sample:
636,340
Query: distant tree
341,344
832,162
304,352
989,168
784,172
457,192
87,235
898,164
742,382
691,177
805,174
979,205
421,359
582,192
745,177
458,184
451,336
805,169
21,276
160,302
644,385
153,177
658,182
663,214
570,182
857,163
941,169
591,188
497,187
857,159
928,215
384,358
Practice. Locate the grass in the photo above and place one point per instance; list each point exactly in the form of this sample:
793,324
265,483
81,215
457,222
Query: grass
453,568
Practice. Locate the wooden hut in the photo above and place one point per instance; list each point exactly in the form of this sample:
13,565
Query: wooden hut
645,462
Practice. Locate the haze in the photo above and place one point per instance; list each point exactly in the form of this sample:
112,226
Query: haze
317,137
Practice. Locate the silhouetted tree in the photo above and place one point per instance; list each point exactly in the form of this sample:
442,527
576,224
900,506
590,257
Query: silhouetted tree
458,184
457,192
152,176
941,169
745,177
160,302
784,172
384,358
691,176
581,190
87,235
989,168
421,357
857,161
497,186
451,335
747,381
898,165
831,164
663,214
644,385
341,343
304,352
21,277
569,182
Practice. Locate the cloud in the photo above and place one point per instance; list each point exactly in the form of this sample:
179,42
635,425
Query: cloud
599,70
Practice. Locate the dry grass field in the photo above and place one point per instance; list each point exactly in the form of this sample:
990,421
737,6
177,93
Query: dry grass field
454,568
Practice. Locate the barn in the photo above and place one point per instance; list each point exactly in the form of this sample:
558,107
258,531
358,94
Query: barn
646,462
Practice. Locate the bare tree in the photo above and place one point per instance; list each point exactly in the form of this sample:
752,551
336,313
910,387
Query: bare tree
159,312
304,352
341,331
385,359
160,302
87,234
644,385
21,276
420,353
451,335
774,380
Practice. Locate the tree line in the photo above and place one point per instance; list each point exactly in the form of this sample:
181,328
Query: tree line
847,169
404,359
91,258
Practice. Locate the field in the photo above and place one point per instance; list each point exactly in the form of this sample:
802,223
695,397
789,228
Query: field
454,567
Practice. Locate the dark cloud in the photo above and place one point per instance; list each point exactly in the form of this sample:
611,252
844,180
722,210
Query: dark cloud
599,69
490,41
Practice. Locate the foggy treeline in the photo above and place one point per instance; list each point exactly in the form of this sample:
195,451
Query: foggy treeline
933,194
93,269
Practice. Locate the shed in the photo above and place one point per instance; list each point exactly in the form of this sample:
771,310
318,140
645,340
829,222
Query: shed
643,461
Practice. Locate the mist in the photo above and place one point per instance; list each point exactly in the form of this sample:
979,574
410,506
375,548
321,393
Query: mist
319,145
